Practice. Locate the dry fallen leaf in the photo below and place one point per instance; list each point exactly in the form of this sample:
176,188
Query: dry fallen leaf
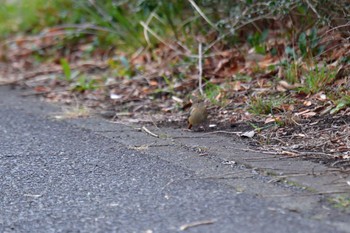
307,103
115,96
248,134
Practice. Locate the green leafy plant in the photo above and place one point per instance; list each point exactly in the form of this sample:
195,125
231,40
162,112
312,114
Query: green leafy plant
122,67
69,75
309,44
166,89
291,71
317,80
259,105
83,84
342,202
341,104
212,91
257,40
255,127
292,75
243,77
290,52
32,16
66,69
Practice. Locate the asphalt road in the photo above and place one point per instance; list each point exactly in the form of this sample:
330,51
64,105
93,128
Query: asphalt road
58,177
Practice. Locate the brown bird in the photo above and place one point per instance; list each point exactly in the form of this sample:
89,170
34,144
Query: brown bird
198,115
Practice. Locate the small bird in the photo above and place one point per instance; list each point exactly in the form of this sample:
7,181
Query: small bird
198,115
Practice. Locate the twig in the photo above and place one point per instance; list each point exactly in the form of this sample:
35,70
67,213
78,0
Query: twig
86,26
313,8
145,34
226,132
226,176
104,14
197,223
340,161
265,159
303,153
278,178
207,48
176,137
149,132
160,145
35,93
153,33
178,52
335,28
196,7
200,69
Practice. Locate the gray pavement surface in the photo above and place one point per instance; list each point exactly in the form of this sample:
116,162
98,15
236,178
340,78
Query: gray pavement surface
68,176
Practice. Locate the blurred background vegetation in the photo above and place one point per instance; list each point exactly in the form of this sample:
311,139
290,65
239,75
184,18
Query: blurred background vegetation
291,30
123,22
